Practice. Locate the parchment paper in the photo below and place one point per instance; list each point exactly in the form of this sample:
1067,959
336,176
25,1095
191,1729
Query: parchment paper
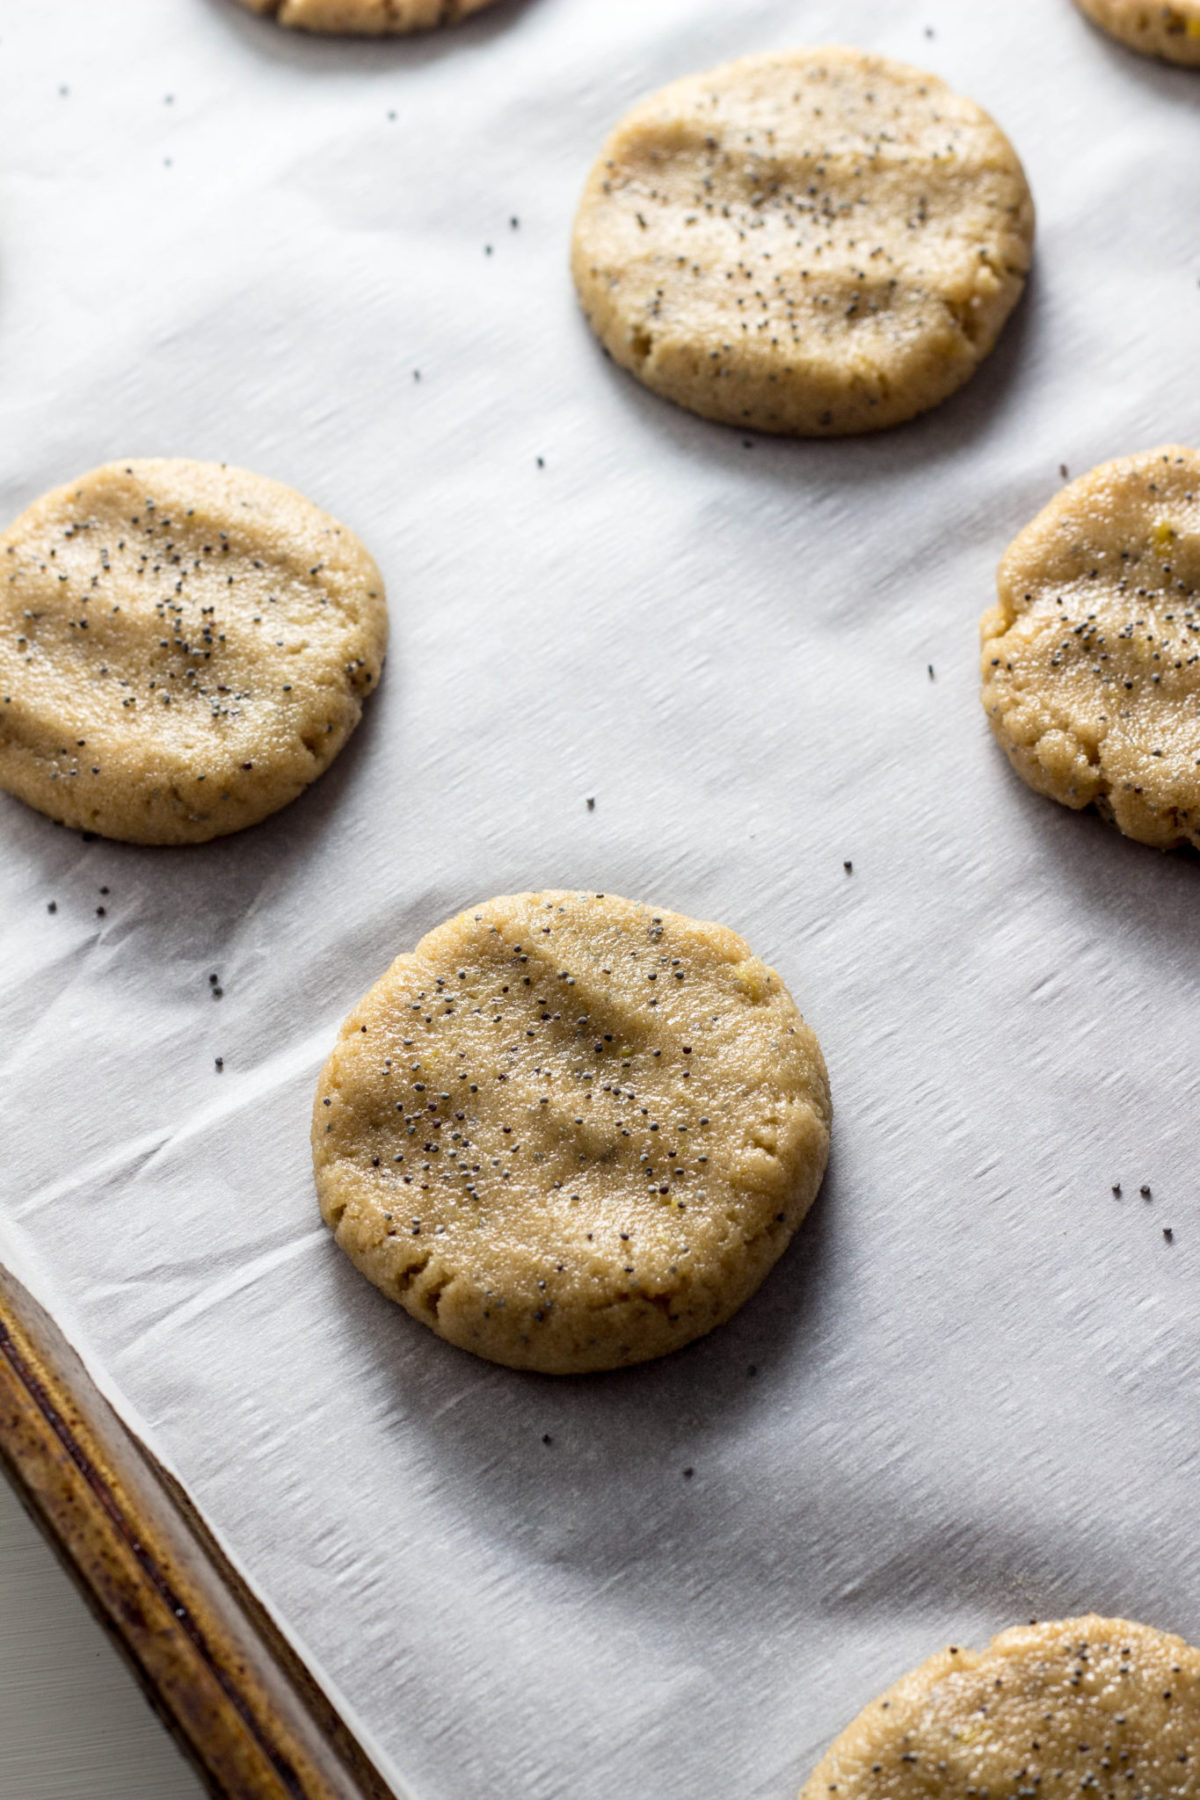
975,1397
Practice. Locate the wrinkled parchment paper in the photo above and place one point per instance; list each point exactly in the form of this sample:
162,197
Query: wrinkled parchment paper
967,1395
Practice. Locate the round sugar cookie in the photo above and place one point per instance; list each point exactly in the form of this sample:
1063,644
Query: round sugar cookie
569,1132
1093,1707
1091,656
814,242
1172,32
366,18
183,648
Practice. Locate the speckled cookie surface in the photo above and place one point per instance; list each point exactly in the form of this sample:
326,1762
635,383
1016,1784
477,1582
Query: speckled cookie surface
569,1132
184,647
366,18
1089,1706
1171,31
1091,656
814,242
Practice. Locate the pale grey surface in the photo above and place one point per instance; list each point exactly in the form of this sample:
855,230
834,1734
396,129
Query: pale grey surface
73,1722
977,1370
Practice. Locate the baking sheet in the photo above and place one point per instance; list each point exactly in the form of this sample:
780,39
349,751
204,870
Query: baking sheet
967,1394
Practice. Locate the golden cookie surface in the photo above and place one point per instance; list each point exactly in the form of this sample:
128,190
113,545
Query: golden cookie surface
1091,656
366,18
1089,1706
813,242
184,647
569,1132
1172,32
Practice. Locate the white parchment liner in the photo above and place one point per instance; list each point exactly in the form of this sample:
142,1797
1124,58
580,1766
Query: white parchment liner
975,1397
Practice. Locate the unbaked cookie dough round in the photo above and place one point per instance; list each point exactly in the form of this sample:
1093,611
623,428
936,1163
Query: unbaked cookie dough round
1091,656
569,1132
815,242
1171,31
183,648
367,18
1090,1706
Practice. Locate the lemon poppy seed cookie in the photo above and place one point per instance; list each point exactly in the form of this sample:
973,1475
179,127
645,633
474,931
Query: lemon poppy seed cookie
814,242
183,648
1087,1706
1172,32
569,1132
367,18
1091,655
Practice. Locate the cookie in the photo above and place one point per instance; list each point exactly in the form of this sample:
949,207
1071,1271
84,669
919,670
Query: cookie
815,242
1089,1706
183,648
569,1132
1172,32
1091,656
367,18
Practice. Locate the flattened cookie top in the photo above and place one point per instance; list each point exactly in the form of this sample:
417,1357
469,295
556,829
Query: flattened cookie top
1091,656
1171,31
815,242
367,18
570,1132
183,648
1085,1706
